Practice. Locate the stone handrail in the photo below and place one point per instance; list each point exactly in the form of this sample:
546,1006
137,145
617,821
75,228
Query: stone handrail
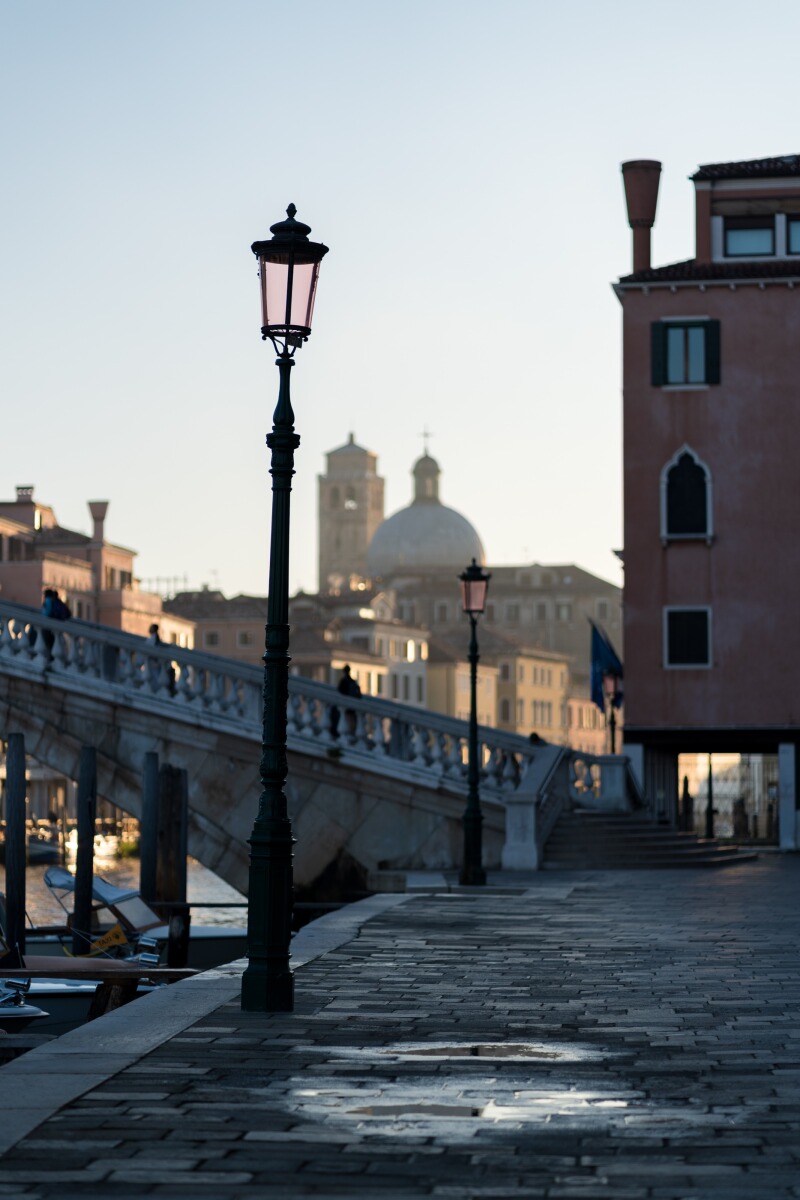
211,690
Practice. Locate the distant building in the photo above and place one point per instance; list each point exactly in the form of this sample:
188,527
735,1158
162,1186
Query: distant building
711,431
350,510
233,627
95,577
413,559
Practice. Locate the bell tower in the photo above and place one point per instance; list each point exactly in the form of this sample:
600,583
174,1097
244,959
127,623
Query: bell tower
350,500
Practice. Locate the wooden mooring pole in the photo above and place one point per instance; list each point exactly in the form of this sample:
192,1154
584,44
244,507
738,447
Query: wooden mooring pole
84,862
16,841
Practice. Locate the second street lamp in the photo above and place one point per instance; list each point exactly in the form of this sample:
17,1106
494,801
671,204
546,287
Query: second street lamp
611,690
288,267
474,585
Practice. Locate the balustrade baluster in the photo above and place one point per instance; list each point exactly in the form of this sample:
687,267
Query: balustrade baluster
60,654
295,717
508,776
41,650
360,733
419,746
7,646
438,753
124,668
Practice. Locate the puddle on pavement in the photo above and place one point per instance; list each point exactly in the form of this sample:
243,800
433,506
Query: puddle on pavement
410,1110
517,1107
491,1050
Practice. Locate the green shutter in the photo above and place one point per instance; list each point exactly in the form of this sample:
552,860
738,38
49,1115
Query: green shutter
712,352
657,355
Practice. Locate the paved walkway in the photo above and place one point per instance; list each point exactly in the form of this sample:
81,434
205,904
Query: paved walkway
595,1036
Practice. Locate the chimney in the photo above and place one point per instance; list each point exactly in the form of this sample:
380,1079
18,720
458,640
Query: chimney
98,509
641,177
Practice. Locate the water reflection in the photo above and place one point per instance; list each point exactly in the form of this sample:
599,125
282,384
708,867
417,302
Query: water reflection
202,884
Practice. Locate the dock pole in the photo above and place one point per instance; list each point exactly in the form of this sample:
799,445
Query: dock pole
16,841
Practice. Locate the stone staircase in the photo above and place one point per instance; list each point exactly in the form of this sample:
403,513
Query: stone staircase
609,841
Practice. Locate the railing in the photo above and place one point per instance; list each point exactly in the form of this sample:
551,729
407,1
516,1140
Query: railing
210,690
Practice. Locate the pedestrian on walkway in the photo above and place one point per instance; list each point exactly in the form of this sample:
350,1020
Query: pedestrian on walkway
54,608
349,687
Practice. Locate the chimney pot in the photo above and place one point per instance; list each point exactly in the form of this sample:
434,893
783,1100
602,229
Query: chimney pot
98,509
641,177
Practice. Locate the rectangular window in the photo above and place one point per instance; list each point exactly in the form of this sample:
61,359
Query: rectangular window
541,611
563,612
520,673
687,637
406,687
394,687
505,670
602,610
442,614
520,712
512,612
685,353
244,638
210,638
420,690
749,236
379,683
793,235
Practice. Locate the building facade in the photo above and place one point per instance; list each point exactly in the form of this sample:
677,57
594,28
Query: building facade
95,577
711,431
350,509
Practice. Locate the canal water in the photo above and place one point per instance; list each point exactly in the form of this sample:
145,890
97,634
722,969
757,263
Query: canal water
202,884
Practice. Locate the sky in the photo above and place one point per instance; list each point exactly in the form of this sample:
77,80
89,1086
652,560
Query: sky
460,159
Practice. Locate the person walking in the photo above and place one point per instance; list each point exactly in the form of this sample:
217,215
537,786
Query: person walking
349,687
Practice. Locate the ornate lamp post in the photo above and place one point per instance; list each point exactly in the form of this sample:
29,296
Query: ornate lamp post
474,585
288,267
611,689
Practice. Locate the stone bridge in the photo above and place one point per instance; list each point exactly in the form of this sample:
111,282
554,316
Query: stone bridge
386,795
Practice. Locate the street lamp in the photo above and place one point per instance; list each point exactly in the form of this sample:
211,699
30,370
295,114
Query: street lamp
288,268
474,585
611,688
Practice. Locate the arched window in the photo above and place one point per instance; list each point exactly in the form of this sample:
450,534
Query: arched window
686,498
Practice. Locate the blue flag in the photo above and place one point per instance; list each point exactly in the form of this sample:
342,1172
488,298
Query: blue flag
604,662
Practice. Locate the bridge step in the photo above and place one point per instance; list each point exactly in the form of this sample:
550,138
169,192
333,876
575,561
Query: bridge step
604,841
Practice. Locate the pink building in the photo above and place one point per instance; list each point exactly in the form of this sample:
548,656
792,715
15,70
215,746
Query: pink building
711,417
94,576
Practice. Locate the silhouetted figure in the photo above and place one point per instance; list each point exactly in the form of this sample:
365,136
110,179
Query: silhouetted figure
346,686
55,608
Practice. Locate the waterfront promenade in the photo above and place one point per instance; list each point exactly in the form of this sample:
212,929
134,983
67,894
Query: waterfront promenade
581,1036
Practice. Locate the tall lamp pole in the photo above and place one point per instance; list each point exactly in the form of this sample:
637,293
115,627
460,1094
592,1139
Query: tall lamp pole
288,267
474,586
611,686
710,802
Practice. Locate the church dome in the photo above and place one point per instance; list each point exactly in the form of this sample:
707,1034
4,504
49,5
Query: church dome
426,535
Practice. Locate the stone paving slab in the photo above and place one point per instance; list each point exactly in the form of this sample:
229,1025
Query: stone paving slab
627,1036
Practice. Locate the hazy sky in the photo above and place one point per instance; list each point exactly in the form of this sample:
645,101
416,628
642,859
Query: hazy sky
460,159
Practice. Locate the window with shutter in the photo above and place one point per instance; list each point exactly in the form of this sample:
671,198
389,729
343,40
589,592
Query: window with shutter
685,353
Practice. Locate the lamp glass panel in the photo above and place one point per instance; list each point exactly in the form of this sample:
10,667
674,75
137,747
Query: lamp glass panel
275,276
473,595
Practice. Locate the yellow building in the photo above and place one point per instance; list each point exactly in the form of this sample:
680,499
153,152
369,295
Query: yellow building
449,688
532,689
